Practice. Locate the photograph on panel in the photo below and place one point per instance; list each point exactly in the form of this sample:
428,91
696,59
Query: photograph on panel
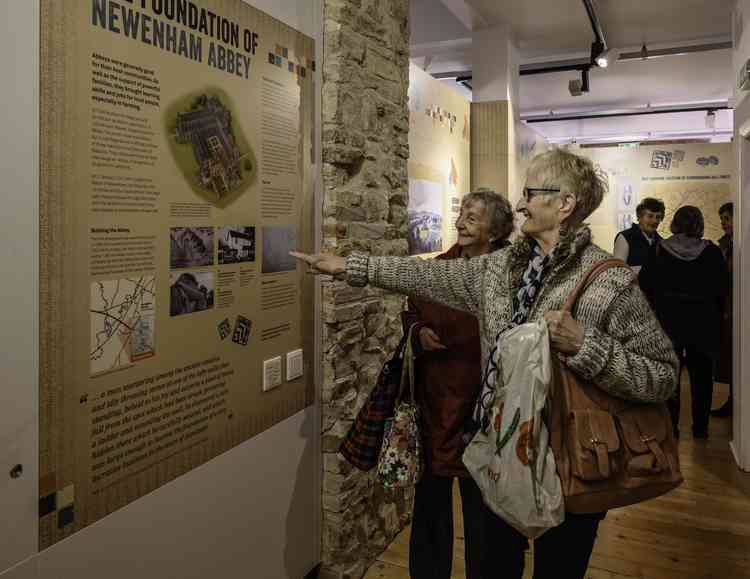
191,247
425,214
209,146
277,243
190,292
236,244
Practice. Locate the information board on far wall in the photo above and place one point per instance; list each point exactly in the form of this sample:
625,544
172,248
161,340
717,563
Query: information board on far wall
698,174
176,173
439,161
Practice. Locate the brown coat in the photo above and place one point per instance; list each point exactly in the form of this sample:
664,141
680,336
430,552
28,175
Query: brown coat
448,381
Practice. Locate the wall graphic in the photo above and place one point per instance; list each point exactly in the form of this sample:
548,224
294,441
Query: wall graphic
176,141
684,174
425,214
439,162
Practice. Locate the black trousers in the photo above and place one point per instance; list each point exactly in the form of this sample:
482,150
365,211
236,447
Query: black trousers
700,367
431,543
561,553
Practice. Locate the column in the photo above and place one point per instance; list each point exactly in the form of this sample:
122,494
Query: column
495,81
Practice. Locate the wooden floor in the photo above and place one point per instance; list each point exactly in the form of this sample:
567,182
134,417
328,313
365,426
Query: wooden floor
700,530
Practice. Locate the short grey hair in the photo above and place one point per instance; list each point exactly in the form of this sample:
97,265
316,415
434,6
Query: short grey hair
572,174
499,212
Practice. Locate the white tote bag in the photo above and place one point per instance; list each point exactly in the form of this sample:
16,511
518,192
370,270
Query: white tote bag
511,461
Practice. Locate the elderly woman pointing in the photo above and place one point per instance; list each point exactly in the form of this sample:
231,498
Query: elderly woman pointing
615,341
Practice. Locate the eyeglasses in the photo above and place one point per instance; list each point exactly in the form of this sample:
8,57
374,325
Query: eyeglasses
530,192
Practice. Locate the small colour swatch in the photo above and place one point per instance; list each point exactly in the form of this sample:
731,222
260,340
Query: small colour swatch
66,497
47,505
65,517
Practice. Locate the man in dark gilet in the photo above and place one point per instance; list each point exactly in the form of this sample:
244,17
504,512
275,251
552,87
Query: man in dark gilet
637,245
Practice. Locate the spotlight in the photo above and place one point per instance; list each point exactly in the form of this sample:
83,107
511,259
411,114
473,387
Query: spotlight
603,60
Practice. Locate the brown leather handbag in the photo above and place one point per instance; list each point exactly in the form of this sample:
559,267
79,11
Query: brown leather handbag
610,452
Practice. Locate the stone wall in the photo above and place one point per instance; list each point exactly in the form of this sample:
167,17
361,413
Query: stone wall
365,152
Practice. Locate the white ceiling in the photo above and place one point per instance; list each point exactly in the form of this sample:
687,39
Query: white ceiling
548,30
544,27
690,125
693,78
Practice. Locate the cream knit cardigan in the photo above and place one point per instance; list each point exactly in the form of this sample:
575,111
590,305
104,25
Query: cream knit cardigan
625,351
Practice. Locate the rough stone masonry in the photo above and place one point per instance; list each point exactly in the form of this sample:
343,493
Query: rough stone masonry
365,152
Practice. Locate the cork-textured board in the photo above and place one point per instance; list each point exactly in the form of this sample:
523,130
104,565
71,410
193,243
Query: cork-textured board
176,174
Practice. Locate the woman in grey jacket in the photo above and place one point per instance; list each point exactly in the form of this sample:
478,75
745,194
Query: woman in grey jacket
614,339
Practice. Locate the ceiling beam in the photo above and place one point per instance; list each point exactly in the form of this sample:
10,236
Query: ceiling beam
605,114
466,14
457,46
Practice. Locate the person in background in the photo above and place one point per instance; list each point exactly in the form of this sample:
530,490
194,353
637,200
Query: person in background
614,340
687,281
449,374
724,363
635,246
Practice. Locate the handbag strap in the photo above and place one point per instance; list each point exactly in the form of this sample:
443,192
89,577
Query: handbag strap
407,367
597,269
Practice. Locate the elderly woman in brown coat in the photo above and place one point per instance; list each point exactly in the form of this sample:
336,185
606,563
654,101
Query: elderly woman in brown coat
449,373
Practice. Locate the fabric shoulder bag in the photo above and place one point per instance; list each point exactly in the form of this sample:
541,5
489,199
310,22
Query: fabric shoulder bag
361,446
401,460
609,452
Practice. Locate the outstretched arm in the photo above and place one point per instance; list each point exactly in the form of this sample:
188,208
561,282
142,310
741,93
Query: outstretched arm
456,283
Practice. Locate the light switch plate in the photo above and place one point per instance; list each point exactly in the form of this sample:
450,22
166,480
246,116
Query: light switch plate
293,365
271,373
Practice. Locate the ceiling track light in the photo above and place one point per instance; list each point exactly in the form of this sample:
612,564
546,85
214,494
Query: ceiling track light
577,87
606,58
646,54
600,54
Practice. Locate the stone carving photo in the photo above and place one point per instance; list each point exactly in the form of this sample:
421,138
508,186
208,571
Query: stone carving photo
191,247
191,292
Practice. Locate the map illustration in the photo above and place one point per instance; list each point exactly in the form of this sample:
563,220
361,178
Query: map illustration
122,314
209,146
707,196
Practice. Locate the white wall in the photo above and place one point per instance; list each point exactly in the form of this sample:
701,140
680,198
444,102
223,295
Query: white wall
741,410
252,512
741,422
19,159
741,39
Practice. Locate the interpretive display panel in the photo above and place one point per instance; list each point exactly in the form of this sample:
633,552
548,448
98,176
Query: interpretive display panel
439,161
698,174
176,176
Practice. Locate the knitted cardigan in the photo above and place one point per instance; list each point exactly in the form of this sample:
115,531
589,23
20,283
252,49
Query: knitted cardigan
625,351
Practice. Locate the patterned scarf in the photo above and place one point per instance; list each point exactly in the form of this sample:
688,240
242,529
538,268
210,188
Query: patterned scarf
524,299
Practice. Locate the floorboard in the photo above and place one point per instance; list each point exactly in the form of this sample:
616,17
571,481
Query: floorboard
699,531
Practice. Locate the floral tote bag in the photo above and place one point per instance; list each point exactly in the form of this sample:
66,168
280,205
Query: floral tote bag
401,460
